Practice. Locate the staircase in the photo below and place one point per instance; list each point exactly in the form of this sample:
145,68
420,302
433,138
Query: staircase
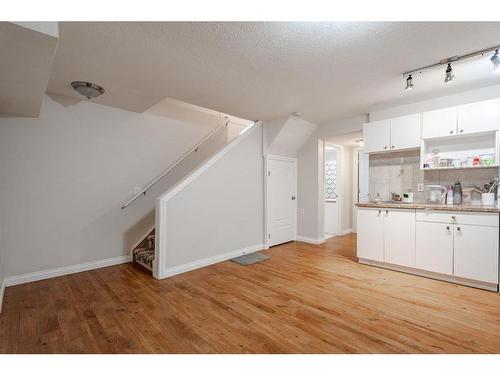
144,253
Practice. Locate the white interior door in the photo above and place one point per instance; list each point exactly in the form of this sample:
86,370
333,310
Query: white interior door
281,199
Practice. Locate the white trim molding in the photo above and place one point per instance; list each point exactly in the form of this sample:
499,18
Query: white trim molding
314,241
2,292
347,231
176,270
66,270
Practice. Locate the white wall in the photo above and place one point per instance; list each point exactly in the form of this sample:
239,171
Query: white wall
217,212
65,175
485,93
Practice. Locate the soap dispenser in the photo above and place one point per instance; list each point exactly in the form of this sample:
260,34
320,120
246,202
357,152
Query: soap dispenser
457,193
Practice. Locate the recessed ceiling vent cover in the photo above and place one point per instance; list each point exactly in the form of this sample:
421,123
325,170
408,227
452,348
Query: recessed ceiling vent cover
87,89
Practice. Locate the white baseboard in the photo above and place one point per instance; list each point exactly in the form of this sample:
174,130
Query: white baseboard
347,231
314,241
2,290
172,271
66,270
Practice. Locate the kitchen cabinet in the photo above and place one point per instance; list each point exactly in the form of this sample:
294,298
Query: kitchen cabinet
394,134
387,235
439,123
478,117
405,132
399,237
476,252
377,136
370,236
434,247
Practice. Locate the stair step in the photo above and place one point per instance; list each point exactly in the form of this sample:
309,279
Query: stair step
144,256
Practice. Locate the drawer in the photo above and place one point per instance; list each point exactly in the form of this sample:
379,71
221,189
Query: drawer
454,217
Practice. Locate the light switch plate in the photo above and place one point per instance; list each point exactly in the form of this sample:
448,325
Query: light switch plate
420,187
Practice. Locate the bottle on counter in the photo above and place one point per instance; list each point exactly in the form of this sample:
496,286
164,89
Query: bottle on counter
457,193
449,195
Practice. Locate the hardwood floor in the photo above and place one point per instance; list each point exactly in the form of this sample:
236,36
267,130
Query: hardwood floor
305,299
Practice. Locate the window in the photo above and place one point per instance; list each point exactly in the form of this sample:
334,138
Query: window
331,180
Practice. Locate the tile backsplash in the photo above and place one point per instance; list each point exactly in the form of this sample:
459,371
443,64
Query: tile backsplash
399,172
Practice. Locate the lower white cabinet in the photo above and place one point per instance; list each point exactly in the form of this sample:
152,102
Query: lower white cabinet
399,237
434,247
386,235
476,252
370,227
459,245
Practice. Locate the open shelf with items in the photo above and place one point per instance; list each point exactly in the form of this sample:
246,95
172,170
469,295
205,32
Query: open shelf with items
471,151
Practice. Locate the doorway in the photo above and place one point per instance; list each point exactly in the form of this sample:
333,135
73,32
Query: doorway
331,182
281,200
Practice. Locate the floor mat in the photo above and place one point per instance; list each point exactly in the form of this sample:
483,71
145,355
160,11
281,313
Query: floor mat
249,259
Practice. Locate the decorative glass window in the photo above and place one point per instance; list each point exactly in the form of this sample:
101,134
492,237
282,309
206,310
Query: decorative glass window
331,180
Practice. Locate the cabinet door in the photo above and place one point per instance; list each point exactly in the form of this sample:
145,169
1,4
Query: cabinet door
434,247
370,227
377,136
405,132
399,237
439,123
478,117
476,253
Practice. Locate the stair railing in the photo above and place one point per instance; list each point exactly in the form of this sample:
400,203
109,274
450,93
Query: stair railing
194,149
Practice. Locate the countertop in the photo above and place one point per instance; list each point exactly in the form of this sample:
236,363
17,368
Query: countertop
426,206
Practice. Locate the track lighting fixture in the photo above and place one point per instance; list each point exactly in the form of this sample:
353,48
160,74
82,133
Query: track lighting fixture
409,83
495,60
449,74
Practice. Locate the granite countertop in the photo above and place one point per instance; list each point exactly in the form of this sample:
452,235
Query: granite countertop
427,206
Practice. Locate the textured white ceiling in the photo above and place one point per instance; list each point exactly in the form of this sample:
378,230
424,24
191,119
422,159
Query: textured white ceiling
326,71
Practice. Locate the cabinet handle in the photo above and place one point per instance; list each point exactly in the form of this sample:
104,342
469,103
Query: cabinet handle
453,218
393,146
461,130
379,212
448,228
458,229
385,147
386,212
451,131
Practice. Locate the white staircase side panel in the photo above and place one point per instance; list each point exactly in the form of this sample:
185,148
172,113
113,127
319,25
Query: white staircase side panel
214,213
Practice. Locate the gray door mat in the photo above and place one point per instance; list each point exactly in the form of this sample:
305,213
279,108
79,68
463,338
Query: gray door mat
249,259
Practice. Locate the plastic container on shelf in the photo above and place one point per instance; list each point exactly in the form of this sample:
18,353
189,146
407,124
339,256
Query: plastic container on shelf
487,159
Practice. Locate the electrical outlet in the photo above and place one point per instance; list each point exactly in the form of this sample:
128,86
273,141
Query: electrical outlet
420,187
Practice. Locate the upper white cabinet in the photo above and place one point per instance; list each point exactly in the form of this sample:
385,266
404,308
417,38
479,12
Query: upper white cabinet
405,132
465,119
440,123
377,136
478,117
394,134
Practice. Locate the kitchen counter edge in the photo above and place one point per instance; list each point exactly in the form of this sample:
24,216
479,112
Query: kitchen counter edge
435,207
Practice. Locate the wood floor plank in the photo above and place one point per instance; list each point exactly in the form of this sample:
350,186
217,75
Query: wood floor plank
304,299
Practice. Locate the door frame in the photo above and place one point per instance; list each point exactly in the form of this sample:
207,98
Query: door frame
340,196
267,228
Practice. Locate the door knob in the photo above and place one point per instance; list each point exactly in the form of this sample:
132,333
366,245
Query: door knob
293,197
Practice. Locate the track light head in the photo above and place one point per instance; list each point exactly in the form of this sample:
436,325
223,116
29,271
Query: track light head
409,83
495,60
449,74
